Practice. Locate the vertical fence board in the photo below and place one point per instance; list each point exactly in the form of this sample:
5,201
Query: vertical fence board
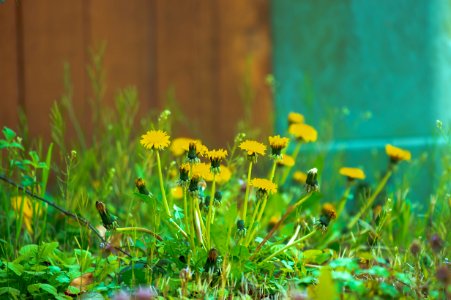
9,73
53,34
244,52
185,61
127,27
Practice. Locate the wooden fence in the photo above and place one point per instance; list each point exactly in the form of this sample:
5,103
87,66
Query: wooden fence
206,50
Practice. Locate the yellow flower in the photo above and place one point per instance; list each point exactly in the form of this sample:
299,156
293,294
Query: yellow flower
179,146
397,154
328,210
264,185
303,132
253,147
295,118
216,156
177,192
352,173
27,210
201,170
155,140
300,177
277,143
287,161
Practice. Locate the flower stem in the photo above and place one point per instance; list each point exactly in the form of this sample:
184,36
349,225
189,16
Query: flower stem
254,215
246,197
257,221
288,169
289,245
163,192
139,229
188,215
343,200
370,200
210,210
289,210
273,170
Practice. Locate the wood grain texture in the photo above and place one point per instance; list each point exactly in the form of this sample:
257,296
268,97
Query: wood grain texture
9,70
200,50
52,34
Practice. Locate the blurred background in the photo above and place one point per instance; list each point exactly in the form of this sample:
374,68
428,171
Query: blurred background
363,72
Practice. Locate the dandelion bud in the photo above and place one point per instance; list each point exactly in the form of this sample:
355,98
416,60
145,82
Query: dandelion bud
443,275
436,243
109,222
218,198
311,183
241,229
328,214
212,259
141,186
194,185
415,248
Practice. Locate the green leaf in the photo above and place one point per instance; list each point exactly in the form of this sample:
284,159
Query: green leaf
29,250
62,278
326,288
241,252
9,290
35,288
15,267
8,133
388,289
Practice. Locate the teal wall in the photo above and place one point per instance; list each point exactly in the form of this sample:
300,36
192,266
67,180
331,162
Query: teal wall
364,72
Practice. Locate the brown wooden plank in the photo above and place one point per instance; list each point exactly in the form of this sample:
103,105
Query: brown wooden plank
244,51
52,34
186,61
127,27
9,75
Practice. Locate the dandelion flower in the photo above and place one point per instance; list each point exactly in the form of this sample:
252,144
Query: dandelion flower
352,173
27,210
303,132
295,118
328,214
109,221
180,146
184,175
222,177
286,161
216,156
253,148
300,177
397,154
177,192
155,140
196,149
277,144
263,186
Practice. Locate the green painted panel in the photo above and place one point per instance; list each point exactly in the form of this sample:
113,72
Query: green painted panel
365,73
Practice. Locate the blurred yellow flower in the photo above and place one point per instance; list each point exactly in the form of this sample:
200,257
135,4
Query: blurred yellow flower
287,161
352,173
264,184
295,118
180,146
300,177
177,192
303,132
203,170
155,140
27,212
253,147
277,143
216,156
397,154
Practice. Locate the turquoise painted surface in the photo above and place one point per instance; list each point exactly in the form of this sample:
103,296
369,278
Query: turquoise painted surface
365,73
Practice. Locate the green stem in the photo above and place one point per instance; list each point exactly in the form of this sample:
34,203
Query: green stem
188,215
210,210
257,222
343,200
370,200
246,197
288,169
139,229
273,170
288,246
289,210
163,192
251,224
